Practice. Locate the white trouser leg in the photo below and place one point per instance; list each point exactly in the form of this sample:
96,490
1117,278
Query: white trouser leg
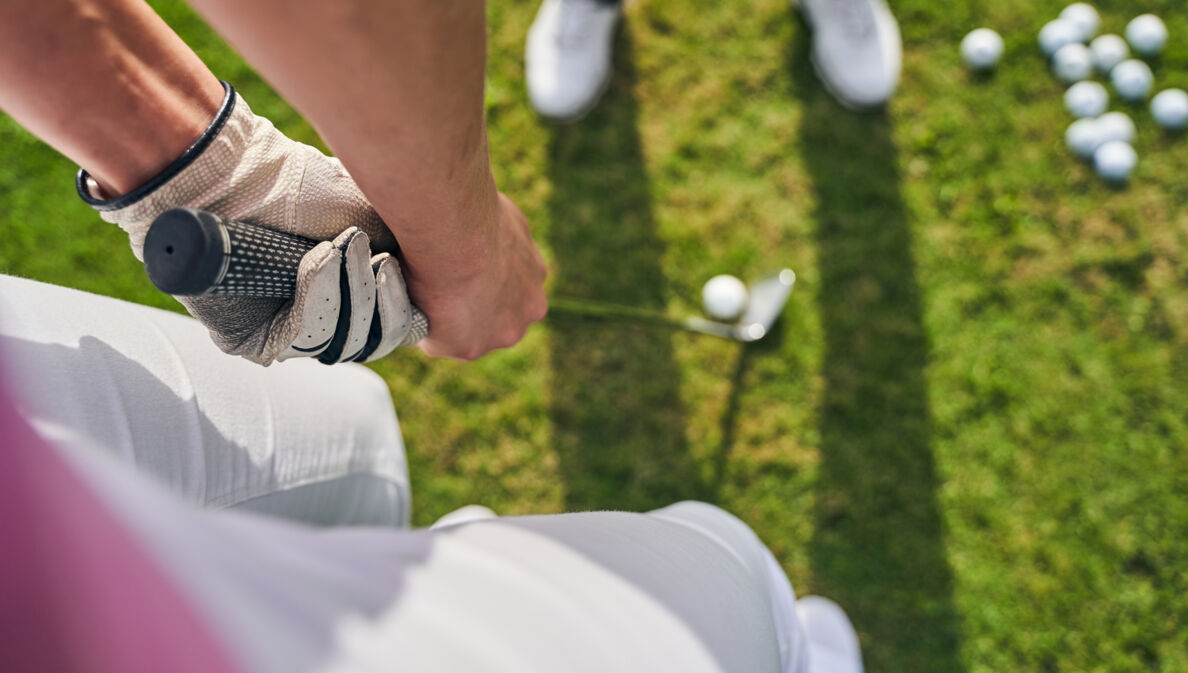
732,533
298,439
686,589
587,592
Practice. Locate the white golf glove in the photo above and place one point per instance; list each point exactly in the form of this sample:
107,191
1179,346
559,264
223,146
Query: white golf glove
350,305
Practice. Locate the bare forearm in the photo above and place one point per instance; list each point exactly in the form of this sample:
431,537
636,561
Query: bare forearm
394,86
105,82
396,90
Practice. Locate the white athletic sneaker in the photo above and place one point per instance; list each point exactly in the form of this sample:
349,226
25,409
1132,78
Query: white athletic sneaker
465,514
857,51
832,641
568,56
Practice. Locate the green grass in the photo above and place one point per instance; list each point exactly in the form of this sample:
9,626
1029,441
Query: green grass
971,428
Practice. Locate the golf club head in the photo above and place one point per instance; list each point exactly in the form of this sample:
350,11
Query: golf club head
768,297
766,302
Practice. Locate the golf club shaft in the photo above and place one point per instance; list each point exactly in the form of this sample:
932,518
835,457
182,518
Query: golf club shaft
566,307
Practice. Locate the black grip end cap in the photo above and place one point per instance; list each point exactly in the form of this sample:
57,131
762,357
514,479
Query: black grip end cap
183,252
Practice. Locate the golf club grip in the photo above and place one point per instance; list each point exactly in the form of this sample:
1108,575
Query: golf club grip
190,252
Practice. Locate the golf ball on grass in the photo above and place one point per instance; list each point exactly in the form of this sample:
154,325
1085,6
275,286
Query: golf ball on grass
1108,51
1147,34
981,49
1055,34
1170,109
1132,79
1113,126
1072,62
1083,137
1086,99
724,297
1084,18
1115,161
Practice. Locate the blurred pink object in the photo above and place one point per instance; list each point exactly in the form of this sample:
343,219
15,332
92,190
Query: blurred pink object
80,596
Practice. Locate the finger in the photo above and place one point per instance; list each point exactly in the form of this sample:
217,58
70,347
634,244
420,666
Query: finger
357,288
307,326
390,275
448,352
393,319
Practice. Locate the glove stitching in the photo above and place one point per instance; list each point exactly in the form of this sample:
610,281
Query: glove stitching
295,192
314,348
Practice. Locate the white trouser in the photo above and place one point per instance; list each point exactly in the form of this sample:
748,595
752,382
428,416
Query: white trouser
687,588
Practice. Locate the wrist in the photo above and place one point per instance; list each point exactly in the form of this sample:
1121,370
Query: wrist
448,243
101,193
442,271
158,124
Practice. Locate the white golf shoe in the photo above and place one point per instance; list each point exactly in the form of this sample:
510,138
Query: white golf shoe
465,514
832,641
857,50
568,56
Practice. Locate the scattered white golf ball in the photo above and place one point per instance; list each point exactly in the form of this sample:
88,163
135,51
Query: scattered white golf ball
1108,51
981,49
1055,34
724,297
1146,34
1083,137
1170,109
1115,126
1084,17
1115,161
1086,99
1072,62
1132,79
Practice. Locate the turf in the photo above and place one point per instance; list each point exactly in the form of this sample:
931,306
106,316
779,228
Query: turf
971,426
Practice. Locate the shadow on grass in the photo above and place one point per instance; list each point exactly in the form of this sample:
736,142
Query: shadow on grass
616,409
747,354
879,544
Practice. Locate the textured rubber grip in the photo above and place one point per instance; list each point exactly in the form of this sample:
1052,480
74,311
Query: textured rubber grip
191,252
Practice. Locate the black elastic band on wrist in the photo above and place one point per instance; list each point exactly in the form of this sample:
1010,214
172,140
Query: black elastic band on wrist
178,165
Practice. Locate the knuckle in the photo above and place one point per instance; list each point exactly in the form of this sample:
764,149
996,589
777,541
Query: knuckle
539,309
510,337
464,352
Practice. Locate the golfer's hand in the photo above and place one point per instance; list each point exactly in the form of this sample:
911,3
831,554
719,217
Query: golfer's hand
491,303
350,304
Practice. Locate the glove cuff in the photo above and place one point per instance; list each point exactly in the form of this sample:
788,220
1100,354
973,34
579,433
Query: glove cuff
181,163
